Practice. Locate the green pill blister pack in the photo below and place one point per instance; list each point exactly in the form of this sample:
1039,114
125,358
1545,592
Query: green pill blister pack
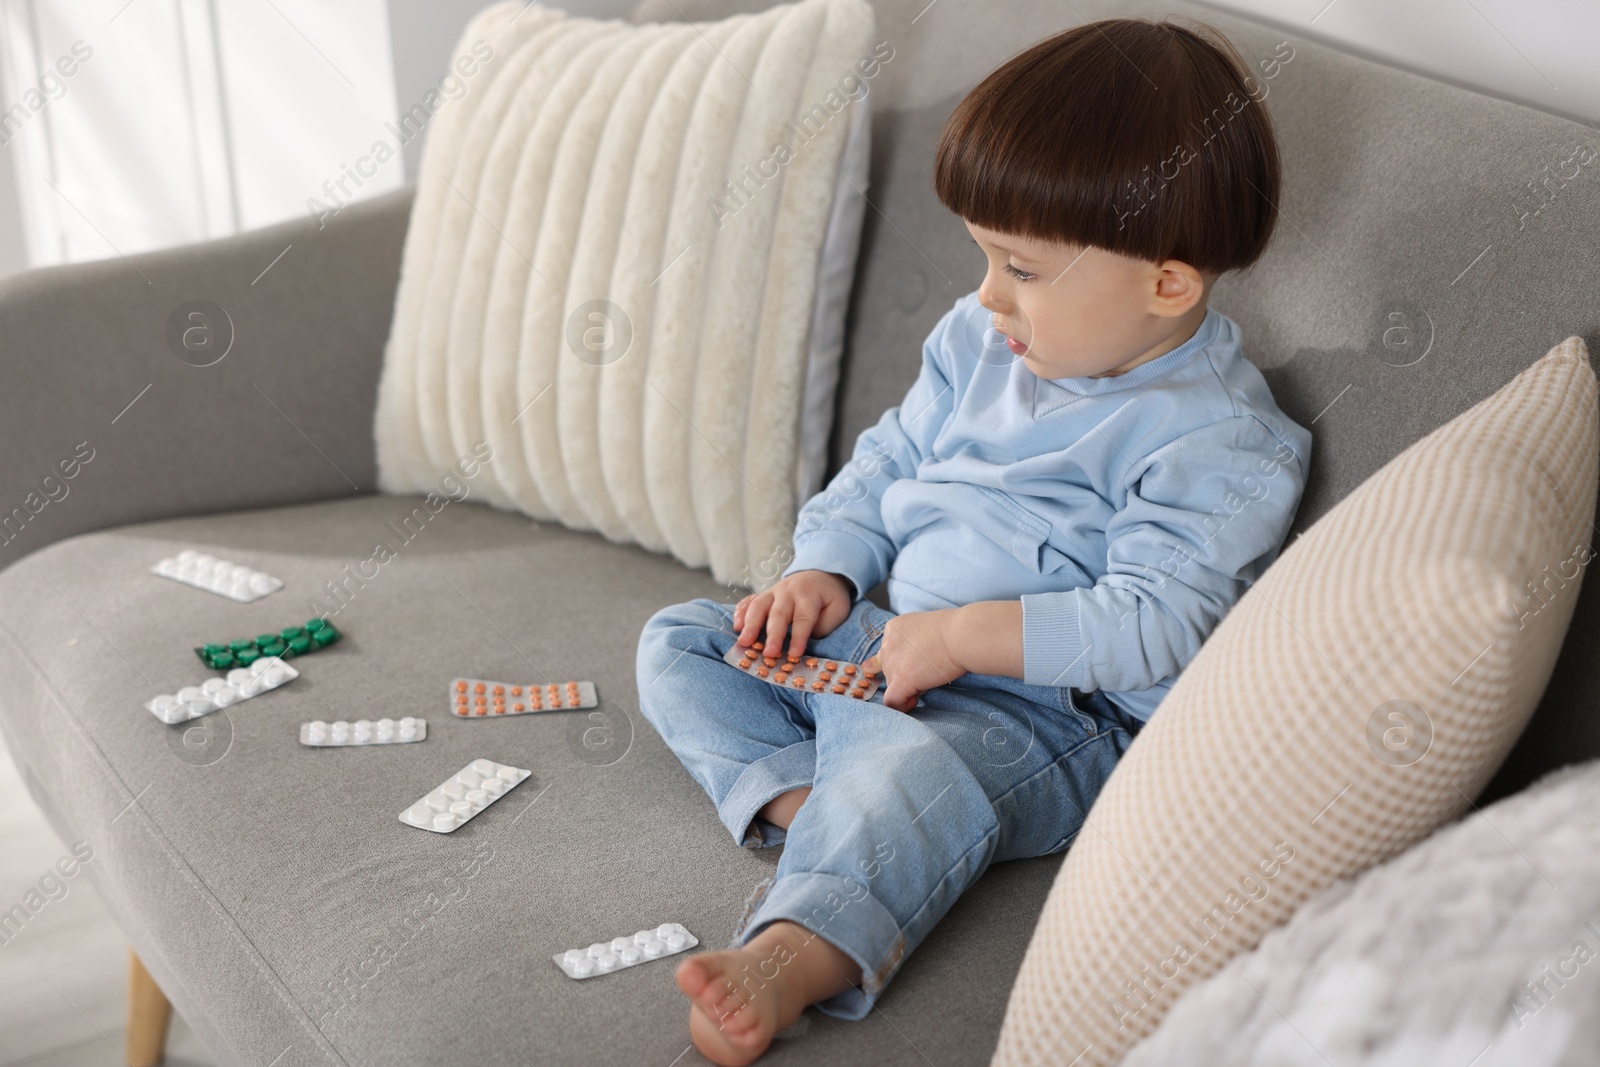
287,643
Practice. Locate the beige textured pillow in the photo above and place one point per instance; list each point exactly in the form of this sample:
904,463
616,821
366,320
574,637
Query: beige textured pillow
1353,700
611,272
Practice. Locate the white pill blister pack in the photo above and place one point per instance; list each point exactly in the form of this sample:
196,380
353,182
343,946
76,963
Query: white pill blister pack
603,957
218,576
341,734
214,694
464,794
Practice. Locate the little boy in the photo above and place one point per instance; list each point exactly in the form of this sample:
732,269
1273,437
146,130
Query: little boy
1084,478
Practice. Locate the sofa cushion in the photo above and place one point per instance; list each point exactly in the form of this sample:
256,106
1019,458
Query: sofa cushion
271,887
1412,274
613,268
1358,696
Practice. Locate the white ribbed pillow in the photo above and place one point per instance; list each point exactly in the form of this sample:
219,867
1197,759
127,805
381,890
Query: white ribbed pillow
580,166
1283,759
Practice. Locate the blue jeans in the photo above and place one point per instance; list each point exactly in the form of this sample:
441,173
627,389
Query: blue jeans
906,810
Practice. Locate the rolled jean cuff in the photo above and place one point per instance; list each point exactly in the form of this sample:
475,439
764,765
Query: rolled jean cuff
770,776
844,913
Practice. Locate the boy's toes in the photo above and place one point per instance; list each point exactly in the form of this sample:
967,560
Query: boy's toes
693,975
730,1026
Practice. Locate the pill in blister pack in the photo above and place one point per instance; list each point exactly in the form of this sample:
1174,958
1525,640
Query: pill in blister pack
287,643
464,794
474,697
813,674
603,957
321,734
214,694
218,576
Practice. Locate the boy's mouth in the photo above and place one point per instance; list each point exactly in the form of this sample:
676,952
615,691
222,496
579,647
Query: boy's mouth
1017,347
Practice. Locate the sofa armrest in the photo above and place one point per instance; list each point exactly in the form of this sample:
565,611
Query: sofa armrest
102,423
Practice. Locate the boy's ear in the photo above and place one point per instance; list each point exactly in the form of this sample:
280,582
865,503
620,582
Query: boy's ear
1178,287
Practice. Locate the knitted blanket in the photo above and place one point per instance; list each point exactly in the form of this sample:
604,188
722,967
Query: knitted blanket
1479,946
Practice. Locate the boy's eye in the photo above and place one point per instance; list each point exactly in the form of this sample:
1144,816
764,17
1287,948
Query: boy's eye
1019,275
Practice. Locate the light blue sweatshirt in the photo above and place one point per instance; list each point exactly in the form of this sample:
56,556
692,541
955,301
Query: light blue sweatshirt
1128,513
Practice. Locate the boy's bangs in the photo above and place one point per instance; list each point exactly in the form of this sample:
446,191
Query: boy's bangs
1132,136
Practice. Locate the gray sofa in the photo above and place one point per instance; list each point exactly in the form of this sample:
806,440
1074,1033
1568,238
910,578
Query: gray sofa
1432,244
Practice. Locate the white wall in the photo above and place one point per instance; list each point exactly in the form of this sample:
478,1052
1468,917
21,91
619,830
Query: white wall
1541,53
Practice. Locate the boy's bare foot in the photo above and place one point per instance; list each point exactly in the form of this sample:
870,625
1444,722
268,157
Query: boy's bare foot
740,998
729,1023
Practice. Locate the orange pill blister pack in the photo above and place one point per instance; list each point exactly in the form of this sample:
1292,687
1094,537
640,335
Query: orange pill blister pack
811,674
476,698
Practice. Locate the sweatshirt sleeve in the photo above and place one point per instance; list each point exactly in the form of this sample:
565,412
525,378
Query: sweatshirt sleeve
1205,515
841,529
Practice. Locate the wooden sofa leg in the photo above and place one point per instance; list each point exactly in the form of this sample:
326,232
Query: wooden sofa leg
149,1011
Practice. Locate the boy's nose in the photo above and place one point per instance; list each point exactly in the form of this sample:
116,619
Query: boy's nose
987,299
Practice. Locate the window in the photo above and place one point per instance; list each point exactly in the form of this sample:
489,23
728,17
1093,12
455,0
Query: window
132,125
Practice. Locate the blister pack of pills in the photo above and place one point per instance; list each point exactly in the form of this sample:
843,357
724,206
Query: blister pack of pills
464,794
472,697
220,576
814,674
214,694
338,734
287,643
603,957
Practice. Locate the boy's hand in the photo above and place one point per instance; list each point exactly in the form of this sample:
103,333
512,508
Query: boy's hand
806,603
916,656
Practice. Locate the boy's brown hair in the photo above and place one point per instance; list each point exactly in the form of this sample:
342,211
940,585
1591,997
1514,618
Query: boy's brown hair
1138,137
